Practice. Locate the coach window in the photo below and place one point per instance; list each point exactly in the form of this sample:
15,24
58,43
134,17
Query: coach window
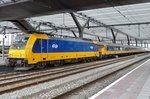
110,48
121,49
117,48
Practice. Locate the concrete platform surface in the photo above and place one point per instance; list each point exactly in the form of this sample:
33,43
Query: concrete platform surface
133,85
5,55
4,67
2,62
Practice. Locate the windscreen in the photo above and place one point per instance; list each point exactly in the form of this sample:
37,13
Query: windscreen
19,42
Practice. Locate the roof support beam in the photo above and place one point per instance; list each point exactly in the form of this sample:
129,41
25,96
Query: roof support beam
74,34
80,28
23,25
10,28
110,27
104,25
51,25
115,25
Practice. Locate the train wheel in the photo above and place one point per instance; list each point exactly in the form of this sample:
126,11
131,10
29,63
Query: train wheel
116,56
41,65
58,63
89,59
85,60
11,64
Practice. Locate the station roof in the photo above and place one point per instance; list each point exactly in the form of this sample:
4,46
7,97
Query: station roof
121,17
4,1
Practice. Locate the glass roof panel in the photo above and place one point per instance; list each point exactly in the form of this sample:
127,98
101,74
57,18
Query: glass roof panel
7,1
130,13
136,13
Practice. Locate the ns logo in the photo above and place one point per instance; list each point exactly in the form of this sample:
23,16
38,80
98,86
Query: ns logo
54,46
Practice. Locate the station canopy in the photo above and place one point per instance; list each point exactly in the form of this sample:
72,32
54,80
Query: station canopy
7,1
131,19
4,1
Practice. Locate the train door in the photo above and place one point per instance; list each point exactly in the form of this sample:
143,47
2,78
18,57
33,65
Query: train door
44,49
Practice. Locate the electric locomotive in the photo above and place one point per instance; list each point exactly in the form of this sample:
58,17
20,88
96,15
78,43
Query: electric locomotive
38,50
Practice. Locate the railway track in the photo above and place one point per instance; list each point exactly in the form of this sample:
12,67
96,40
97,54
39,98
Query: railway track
11,74
18,81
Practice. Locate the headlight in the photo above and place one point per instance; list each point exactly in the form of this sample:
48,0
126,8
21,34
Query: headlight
21,55
10,55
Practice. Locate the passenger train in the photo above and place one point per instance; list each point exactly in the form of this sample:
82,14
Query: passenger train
37,50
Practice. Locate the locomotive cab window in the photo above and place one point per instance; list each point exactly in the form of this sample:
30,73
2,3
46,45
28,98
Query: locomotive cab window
20,42
38,42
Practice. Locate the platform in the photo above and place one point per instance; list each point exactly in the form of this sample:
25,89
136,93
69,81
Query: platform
133,85
5,55
4,67
2,62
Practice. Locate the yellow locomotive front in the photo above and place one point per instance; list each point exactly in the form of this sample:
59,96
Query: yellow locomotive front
17,54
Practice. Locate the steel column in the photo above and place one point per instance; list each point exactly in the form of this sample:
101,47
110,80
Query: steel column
139,30
3,44
136,42
128,40
122,42
141,43
2,31
145,44
78,25
114,37
98,39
